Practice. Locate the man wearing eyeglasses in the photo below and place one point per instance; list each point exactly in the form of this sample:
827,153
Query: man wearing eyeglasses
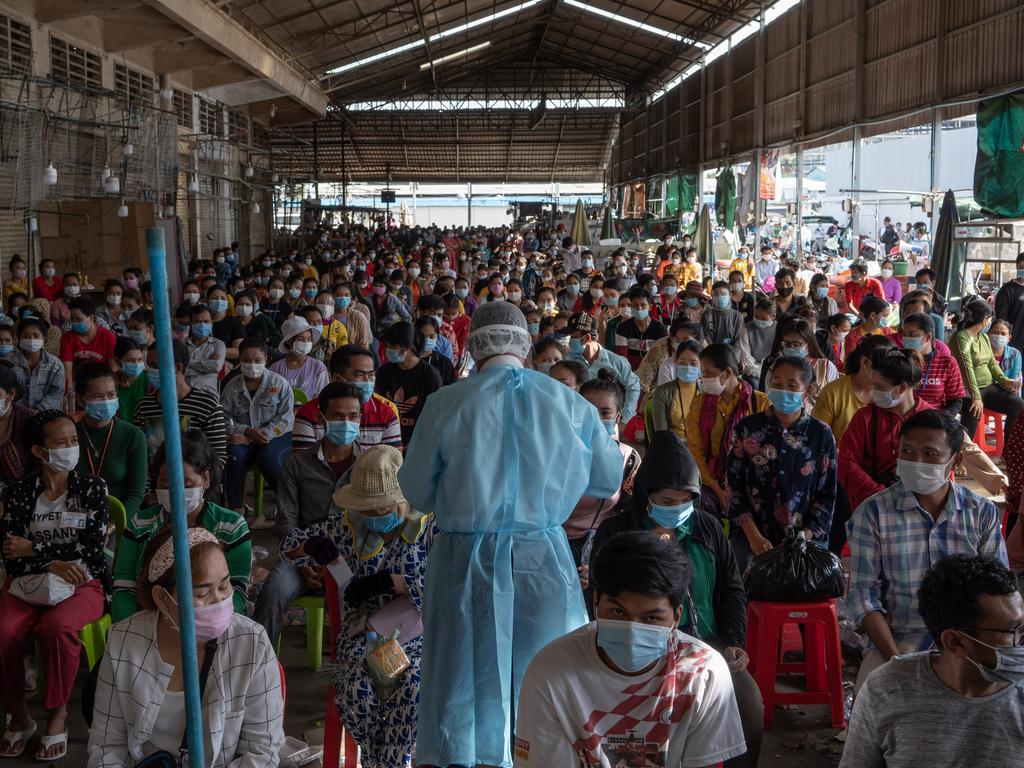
900,533
963,704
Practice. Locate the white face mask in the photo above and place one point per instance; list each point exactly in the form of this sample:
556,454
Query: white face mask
326,310
62,459
514,295
114,299
712,385
193,498
31,345
302,347
244,309
276,293
922,477
253,370
192,298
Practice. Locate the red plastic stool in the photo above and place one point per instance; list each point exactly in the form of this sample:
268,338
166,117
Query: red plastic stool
822,666
979,434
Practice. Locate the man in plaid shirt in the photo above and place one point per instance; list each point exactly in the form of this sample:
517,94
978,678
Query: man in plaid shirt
898,534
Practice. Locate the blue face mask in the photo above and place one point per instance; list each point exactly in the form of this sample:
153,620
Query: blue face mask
309,293
342,432
219,305
133,369
545,368
641,314
382,523
139,337
153,374
821,291
632,646
883,322
6,349
798,352
610,424
692,302
429,345
82,327
342,303
395,355
572,289
533,328
785,401
912,342
101,410
723,301
575,346
202,330
671,517
688,374
365,389
295,292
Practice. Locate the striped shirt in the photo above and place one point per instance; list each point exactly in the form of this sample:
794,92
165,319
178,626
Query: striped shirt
199,409
379,425
893,543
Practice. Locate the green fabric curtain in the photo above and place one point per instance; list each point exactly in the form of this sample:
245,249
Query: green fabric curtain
947,257
687,192
671,196
999,168
725,198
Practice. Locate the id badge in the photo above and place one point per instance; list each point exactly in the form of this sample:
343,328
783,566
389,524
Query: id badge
74,520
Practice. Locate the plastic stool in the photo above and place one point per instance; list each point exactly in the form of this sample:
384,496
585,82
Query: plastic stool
94,640
823,656
979,434
315,609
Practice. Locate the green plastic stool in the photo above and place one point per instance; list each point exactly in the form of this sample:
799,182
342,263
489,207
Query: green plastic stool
257,489
94,640
315,609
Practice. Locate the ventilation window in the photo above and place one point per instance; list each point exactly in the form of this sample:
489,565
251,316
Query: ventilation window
183,108
133,86
211,119
15,46
74,65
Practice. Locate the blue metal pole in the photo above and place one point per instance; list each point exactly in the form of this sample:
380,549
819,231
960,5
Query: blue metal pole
176,477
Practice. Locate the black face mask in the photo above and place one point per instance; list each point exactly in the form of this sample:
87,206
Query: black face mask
784,291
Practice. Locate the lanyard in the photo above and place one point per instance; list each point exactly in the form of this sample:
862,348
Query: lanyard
927,370
103,457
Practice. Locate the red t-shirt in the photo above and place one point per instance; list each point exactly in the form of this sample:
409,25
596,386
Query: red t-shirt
855,292
74,349
41,290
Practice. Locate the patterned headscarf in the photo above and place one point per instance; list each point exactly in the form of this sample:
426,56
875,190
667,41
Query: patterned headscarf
164,557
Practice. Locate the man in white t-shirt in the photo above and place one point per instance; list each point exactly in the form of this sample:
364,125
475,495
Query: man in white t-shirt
629,689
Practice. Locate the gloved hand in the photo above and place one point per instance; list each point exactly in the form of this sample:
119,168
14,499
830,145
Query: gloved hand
322,550
360,591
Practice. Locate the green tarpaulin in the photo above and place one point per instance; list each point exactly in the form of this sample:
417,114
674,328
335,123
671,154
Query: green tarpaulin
671,196
725,198
999,168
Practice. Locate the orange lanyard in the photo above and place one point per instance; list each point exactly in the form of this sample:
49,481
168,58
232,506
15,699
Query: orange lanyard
103,457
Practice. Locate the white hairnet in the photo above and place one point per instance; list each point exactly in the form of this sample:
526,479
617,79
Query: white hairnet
498,328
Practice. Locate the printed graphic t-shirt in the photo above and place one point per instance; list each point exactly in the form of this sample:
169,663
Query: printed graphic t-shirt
576,712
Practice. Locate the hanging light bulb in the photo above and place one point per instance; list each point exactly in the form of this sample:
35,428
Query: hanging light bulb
249,171
256,209
122,210
274,178
166,93
128,149
50,176
33,224
112,185
105,173
193,183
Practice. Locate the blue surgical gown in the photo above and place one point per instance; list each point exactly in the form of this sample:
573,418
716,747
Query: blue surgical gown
501,459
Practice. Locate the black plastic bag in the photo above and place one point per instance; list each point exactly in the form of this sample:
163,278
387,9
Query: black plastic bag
795,571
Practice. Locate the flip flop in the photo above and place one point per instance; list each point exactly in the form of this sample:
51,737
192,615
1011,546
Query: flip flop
12,737
47,741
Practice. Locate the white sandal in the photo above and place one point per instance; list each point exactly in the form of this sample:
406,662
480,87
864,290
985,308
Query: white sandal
12,737
47,741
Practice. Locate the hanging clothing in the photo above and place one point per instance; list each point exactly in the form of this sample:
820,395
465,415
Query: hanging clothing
501,581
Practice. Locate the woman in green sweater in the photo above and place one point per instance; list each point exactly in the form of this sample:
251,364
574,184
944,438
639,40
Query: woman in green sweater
112,448
131,379
986,384
200,468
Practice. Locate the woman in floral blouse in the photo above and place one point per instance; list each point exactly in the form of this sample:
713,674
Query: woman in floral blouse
384,543
781,472
55,524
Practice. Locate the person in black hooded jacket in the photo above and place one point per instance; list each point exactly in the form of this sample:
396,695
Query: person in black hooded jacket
666,500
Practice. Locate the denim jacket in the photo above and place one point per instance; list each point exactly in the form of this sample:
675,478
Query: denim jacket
204,363
42,388
268,409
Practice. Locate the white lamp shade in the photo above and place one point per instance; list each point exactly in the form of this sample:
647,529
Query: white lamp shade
193,184
248,171
256,208
122,210
166,94
274,178
105,173
112,185
50,175
128,150
33,224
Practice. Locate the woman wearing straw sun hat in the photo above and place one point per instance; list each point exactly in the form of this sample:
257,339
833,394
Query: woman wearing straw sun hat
302,371
384,543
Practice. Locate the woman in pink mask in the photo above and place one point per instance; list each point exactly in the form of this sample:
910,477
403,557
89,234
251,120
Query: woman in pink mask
237,668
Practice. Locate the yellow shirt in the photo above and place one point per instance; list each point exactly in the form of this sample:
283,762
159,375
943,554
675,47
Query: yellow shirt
695,439
681,407
740,264
837,403
690,272
16,286
336,334
310,271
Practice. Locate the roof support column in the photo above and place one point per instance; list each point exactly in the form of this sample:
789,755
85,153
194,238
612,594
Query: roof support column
759,102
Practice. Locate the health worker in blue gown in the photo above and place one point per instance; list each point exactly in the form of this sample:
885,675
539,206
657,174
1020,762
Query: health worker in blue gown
501,458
